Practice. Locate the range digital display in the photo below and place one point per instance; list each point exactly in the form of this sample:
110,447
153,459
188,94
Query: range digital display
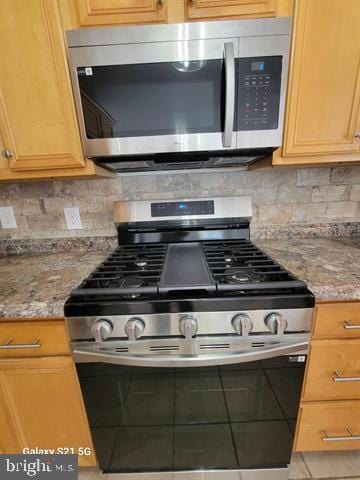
174,209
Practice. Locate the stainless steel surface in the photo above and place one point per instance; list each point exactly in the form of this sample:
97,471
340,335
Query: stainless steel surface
350,326
197,352
188,326
209,323
224,207
6,153
276,323
101,330
338,377
134,328
266,46
180,42
178,32
255,474
229,93
8,345
242,324
338,438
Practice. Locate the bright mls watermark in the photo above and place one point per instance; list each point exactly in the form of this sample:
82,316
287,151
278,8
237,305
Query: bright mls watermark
38,467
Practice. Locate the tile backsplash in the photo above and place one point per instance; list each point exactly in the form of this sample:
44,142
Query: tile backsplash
298,199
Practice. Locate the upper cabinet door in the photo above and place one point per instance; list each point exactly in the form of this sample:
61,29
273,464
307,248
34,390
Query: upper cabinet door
201,9
324,88
107,12
37,113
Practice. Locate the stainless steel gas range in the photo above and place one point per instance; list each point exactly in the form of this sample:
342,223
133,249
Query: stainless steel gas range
190,345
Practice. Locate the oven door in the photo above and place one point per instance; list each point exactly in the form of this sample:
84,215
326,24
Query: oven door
238,414
156,97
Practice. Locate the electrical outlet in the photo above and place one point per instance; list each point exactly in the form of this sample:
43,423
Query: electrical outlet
7,217
72,217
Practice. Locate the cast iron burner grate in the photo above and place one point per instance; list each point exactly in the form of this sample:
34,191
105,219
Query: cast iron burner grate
130,271
149,271
240,265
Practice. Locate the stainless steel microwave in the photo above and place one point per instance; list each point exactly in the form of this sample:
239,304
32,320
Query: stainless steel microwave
190,94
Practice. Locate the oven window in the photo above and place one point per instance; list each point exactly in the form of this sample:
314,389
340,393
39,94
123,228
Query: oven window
236,417
152,99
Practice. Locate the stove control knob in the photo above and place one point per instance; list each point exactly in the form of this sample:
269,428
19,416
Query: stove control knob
188,326
276,323
134,328
101,329
242,324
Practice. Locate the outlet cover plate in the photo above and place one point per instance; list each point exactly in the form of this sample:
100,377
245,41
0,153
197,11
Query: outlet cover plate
72,217
7,217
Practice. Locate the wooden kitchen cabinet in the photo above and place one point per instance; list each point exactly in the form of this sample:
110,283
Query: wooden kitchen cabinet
109,12
201,9
35,338
40,398
122,12
322,120
41,402
332,419
334,370
337,320
38,125
328,405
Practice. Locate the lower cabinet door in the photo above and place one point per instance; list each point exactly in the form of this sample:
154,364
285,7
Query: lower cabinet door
41,406
334,371
328,426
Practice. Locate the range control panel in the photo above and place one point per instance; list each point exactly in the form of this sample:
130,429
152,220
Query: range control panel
259,83
172,209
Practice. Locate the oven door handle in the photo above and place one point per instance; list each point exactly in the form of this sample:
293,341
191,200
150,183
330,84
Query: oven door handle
229,57
92,354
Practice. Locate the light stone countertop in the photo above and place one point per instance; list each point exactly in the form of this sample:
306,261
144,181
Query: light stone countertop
38,285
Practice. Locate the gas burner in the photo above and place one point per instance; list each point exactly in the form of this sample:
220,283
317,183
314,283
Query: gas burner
132,282
233,275
141,263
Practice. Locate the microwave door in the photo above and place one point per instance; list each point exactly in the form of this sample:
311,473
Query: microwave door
156,97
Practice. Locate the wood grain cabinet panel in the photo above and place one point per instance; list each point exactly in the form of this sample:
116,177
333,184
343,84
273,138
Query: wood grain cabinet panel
337,320
33,338
334,370
107,12
339,420
37,112
41,403
323,104
200,9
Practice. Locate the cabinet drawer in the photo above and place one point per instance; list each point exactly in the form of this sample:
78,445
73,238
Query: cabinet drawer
328,426
334,370
33,338
337,320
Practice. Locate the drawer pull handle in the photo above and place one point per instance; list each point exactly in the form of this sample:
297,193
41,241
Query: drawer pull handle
8,345
348,438
339,378
349,326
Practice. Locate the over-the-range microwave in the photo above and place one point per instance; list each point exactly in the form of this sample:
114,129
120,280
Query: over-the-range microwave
190,95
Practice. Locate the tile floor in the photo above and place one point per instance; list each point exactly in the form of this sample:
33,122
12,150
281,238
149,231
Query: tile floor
314,465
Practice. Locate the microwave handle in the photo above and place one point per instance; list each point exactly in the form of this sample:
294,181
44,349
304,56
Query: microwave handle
229,58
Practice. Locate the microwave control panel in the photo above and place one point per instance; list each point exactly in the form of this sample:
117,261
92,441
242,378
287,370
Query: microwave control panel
259,85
